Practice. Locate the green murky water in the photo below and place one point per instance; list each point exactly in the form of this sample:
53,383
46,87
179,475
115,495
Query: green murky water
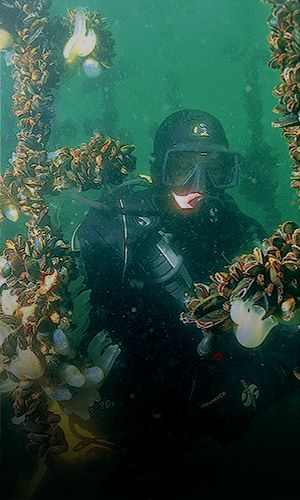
172,54
169,55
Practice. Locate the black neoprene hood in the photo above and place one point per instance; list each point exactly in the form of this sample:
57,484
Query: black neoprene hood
186,130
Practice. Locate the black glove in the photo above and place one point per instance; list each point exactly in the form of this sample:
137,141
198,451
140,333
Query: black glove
236,382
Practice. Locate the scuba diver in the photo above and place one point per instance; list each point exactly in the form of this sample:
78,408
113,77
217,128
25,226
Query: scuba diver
174,396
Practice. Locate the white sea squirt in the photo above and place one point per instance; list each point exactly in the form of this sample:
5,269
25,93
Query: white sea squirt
7,386
11,212
102,352
6,39
12,159
5,331
8,57
91,67
26,365
53,154
93,376
73,376
81,43
79,389
251,329
108,358
61,393
3,263
8,302
60,342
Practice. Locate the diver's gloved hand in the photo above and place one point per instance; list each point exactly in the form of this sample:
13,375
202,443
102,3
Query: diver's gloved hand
230,388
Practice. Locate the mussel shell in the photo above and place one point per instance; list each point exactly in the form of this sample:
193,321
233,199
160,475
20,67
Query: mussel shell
289,227
242,288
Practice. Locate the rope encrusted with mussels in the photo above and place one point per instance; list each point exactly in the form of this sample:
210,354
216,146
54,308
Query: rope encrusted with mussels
254,293
36,173
44,304
44,316
284,41
37,67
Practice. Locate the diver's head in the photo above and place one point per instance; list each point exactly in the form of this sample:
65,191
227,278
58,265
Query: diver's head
191,160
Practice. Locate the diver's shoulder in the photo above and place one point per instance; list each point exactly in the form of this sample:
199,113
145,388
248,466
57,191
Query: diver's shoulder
139,198
134,197
106,212
252,228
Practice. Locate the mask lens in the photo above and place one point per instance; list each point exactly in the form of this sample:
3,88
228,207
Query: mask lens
221,169
181,165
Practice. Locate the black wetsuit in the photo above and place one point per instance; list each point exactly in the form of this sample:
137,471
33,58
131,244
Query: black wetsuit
161,399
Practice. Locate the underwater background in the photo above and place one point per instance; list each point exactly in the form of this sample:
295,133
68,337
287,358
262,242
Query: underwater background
171,54
208,54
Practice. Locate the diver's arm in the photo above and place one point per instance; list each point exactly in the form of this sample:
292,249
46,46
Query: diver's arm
101,264
234,383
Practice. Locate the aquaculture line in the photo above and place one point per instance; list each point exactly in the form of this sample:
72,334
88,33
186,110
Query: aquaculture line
44,303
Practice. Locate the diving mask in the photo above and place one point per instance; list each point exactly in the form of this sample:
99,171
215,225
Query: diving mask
197,171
